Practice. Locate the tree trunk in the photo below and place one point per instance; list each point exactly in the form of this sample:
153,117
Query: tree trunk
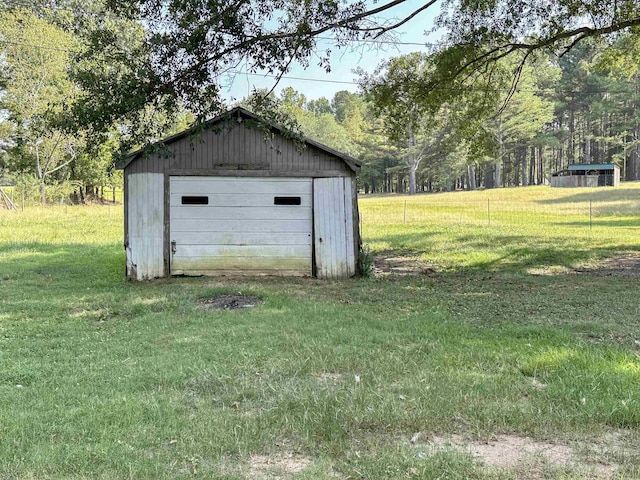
497,172
572,130
587,147
525,168
489,176
633,165
41,175
471,176
412,177
532,167
540,165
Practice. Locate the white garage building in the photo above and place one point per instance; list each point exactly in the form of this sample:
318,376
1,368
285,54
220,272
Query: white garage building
232,199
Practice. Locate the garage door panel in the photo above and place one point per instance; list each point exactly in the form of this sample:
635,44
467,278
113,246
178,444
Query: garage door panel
235,200
243,265
185,225
254,251
247,213
232,185
241,238
240,229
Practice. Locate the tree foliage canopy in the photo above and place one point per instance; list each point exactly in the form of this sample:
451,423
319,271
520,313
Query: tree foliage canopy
187,46
526,86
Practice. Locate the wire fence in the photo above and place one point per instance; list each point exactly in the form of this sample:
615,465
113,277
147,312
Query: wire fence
585,213
23,198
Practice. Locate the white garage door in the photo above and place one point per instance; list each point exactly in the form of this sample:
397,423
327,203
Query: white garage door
230,225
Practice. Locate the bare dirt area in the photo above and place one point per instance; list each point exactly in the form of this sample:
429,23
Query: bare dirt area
408,263
400,263
231,302
332,378
512,452
625,264
277,466
621,265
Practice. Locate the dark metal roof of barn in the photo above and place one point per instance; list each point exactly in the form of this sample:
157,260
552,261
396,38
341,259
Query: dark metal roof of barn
239,112
592,166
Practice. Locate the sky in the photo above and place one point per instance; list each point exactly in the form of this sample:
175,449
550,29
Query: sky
314,82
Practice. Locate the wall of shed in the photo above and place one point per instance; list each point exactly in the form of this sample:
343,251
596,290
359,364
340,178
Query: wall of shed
566,181
144,217
243,151
335,227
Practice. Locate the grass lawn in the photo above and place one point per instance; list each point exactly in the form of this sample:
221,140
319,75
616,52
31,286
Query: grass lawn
502,363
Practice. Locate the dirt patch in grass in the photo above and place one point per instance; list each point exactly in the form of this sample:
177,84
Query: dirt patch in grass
507,451
330,377
277,465
231,302
395,262
621,265
512,452
626,265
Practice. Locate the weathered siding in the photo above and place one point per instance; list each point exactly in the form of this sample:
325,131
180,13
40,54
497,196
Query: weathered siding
564,181
145,225
334,235
241,230
239,149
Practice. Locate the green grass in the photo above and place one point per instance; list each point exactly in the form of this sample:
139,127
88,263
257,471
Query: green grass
512,229
138,380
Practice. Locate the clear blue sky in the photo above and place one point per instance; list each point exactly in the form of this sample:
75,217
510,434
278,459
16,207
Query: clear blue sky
364,55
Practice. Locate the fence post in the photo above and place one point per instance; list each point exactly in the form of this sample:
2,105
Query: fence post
405,212
488,213
590,215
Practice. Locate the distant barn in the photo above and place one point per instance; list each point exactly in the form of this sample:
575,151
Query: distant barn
232,199
587,175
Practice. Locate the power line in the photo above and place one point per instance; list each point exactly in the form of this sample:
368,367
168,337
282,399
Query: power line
340,82
285,77
322,80
345,82
38,47
35,6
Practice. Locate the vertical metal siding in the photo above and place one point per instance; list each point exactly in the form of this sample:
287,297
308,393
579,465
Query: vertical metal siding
349,185
145,253
239,145
333,227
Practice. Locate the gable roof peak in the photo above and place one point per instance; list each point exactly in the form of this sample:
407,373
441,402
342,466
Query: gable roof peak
241,114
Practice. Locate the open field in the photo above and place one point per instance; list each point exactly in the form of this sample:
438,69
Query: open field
516,229
516,356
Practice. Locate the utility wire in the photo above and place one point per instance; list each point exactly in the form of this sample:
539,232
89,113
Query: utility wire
37,47
340,82
345,82
285,77
309,79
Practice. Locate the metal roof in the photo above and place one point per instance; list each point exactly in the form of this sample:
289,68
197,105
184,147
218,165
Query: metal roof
592,166
353,163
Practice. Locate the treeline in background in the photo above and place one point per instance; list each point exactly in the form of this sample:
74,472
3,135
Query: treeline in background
514,125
